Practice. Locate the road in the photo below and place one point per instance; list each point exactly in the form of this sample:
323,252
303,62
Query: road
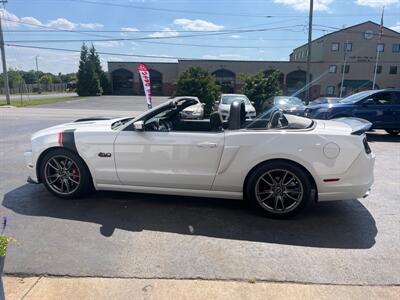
147,236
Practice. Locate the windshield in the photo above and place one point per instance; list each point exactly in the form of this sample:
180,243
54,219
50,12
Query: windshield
356,97
228,99
287,100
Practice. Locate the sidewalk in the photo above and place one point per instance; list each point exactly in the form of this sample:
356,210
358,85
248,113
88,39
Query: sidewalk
112,288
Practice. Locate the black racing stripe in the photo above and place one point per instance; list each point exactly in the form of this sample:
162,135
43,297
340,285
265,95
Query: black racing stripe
68,140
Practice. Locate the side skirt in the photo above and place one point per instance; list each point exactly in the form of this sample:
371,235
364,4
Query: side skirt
170,191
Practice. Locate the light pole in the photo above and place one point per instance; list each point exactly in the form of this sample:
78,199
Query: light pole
3,60
310,24
37,74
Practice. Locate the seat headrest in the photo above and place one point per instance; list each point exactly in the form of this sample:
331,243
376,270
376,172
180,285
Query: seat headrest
237,115
215,121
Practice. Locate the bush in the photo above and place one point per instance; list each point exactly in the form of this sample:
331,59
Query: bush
259,88
197,82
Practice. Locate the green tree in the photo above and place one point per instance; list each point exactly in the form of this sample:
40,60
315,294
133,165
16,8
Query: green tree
14,79
88,83
197,82
260,89
46,80
95,60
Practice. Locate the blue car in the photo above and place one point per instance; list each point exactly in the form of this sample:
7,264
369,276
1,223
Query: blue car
380,107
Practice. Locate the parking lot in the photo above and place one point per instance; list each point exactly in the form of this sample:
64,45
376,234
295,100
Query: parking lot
149,236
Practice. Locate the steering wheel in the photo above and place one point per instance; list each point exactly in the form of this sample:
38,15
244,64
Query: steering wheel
275,120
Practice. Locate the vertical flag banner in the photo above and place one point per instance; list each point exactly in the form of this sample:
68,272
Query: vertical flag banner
145,75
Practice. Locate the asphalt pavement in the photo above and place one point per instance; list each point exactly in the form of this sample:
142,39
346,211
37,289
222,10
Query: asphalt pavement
132,235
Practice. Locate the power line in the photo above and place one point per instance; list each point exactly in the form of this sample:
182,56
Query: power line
170,10
166,57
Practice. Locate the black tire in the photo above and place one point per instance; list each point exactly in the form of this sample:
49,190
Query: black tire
77,172
393,132
298,180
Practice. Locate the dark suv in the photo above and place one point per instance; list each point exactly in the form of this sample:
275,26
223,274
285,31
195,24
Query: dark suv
380,107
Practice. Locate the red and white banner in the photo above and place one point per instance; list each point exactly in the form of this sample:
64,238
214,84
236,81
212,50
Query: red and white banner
145,75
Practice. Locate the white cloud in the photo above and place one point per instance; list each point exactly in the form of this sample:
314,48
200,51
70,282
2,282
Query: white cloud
197,25
31,21
108,44
377,3
304,5
130,29
61,23
225,56
166,32
8,18
396,27
91,25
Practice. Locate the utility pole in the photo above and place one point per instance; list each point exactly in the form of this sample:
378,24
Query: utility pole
37,75
3,60
344,69
308,72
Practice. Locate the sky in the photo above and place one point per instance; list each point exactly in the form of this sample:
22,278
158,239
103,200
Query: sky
165,30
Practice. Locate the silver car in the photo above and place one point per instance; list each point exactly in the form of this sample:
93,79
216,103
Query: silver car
225,101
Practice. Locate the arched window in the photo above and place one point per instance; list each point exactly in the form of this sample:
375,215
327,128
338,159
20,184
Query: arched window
156,83
295,83
122,82
270,71
225,79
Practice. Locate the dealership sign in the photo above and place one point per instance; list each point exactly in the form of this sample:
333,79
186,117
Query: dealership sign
145,75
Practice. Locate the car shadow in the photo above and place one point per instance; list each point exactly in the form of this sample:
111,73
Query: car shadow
379,137
340,224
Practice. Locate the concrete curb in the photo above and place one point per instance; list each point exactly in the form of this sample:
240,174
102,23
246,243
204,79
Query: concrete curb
117,288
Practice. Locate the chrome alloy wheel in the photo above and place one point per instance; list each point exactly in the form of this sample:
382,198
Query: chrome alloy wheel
279,191
62,174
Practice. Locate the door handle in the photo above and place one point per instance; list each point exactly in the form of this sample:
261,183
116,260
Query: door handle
207,145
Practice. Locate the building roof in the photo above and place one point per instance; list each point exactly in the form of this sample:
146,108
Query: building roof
345,29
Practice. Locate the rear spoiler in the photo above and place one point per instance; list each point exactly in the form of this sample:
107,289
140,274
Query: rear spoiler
358,126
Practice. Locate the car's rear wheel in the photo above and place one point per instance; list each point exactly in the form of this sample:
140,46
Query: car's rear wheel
279,189
393,131
65,174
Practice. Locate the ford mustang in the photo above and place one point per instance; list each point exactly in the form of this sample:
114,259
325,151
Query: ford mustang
276,162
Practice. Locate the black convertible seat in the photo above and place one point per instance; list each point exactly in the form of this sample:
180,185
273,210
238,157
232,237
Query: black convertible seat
215,121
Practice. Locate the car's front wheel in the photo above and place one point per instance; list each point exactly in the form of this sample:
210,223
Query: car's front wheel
65,174
393,131
279,188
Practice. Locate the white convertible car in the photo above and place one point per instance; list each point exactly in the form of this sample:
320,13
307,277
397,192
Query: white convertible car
277,162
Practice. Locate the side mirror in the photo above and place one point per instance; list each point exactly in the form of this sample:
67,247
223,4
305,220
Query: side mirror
203,104
139,125
252,102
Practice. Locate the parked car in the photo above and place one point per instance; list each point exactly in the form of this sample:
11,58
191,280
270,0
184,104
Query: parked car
195,111
225,101
324,100
289,104
278,163
380,107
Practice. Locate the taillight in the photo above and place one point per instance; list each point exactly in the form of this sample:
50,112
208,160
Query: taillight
366,146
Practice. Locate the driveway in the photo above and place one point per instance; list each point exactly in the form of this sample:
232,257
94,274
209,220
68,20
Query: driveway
147,236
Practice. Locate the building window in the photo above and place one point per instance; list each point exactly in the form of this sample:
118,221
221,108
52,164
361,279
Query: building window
330,90
335,47
393,70
346,69
396,48
332,69
378,70
380,47
348,47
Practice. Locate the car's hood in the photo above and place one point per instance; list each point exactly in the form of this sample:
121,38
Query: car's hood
326,105
92,124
